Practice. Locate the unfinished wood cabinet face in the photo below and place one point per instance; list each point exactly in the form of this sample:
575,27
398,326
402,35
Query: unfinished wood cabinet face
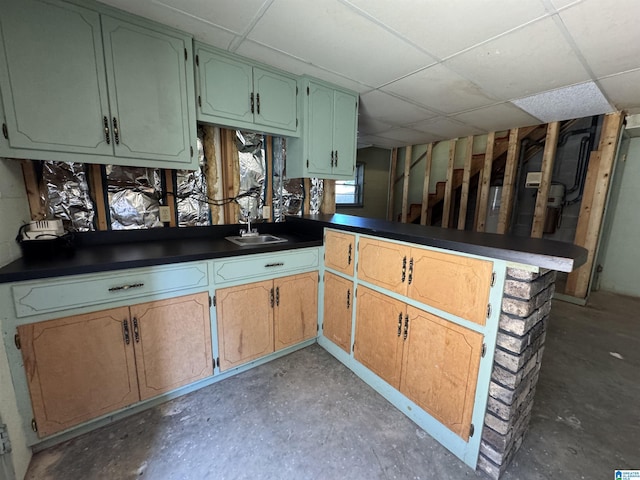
172,340
451,283
338,307
340,251
379,334
440,369
78,368
245,323
381,263
296,309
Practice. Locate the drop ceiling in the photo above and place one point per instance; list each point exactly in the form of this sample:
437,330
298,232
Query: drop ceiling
429,70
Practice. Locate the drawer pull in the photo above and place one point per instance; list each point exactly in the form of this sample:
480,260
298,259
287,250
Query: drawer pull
404,269
410,271
277,296
400,324
349,257
126,287
348,299
271,297
277,264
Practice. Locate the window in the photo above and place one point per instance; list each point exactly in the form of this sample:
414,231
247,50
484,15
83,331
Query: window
349,193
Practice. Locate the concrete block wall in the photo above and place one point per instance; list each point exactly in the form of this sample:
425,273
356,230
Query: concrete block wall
523,323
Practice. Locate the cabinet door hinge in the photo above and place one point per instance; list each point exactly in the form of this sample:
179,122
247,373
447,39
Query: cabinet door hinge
214,300
493,279
185,55
5,444
191,150
488,310
317,327
472,430
307,91
296,90
296,123
319,277
353,347
307,163
199,101
16,340
34,425
484,350
218,362
5,132
197,60
210,301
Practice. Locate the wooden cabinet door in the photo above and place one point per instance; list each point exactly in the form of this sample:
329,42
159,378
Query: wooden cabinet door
440,369
276,102
384,264
339,251
54,88
320,129
79,368
379,334
147,79
226,85
172,340
296,309
452,283
338,308
245,323
345,114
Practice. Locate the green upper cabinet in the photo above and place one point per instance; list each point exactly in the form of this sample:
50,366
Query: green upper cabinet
94,86
327,147
147,78
53,101
236,93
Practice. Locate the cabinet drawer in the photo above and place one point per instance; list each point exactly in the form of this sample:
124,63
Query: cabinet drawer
264,266
62,293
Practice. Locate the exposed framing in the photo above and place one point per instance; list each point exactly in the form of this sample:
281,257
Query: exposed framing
548,159
425,212
508,184
485,184
392,182
405,184
466,179
448,190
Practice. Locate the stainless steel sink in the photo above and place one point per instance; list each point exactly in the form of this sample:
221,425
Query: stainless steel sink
263,239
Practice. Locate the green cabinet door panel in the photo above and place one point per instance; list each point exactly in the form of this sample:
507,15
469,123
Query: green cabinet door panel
320,129
344,133
276,102
225,86
54,89
147,79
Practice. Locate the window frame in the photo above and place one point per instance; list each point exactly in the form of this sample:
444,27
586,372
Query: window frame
359,190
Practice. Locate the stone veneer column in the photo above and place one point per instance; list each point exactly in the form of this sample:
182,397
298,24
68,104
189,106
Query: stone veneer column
523,324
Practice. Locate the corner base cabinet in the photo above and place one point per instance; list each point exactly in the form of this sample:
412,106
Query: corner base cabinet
84,366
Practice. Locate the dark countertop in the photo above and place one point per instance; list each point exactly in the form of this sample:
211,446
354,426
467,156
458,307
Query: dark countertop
117,250
107,251
551,254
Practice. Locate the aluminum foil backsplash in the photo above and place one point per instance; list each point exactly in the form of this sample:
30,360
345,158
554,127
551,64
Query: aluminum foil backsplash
288,193
251,156
134,197
66,195
191,193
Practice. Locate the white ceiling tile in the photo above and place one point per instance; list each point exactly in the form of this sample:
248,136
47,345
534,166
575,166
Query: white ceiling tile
623,90
533,59
372,140
369,125
559,4
497,117
294,65
444,128
575,101
441,89
607,33
446,27
408,136
386,108
332,36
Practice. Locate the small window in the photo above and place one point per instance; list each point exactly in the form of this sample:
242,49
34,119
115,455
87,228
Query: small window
349,193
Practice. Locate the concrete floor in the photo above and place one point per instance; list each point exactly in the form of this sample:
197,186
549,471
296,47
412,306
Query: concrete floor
305,416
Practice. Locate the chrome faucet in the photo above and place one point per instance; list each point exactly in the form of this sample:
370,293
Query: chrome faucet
249,232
